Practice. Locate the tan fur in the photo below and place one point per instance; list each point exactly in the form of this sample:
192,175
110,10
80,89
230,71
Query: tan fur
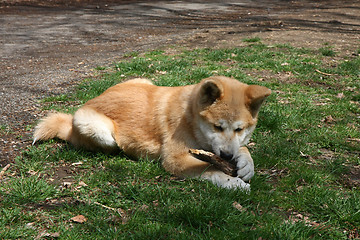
145,120
54,125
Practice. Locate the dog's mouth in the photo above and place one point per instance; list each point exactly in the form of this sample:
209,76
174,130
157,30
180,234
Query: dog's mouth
230,159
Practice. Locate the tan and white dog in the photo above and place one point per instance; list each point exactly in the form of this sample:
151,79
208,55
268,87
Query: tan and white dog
218,115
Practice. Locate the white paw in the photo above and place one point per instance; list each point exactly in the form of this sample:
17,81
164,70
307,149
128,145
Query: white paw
236,183
245,166
222,180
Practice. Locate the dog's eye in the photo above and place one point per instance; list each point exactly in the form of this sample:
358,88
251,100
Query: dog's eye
218,127
238,130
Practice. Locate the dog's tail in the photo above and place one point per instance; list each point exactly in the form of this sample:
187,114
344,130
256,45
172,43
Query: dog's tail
54,125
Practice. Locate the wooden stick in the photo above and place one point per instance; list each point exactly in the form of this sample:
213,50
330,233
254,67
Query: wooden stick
121,212
221,164
2,173
327,74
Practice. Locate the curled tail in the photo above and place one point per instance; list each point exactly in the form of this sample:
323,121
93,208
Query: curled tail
54,125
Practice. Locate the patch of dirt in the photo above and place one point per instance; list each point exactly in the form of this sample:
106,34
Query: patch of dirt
353,178
49,46
63,174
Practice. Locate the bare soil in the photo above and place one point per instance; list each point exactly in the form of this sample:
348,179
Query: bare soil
49,46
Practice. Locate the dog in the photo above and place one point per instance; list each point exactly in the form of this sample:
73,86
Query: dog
218,115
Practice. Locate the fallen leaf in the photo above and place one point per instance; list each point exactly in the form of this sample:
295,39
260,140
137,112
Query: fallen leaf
156,203
238,206
123,215
79,219
47,235
340,95
30,225
67,184
32,172
304,155
353,140
77,163
82,184
329,119
55,235
40,235
144,207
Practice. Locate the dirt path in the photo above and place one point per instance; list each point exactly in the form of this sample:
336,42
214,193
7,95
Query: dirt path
49,46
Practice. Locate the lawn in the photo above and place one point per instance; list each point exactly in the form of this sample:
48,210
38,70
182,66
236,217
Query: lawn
306,150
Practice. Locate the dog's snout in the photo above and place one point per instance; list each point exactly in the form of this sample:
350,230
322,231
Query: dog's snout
226,156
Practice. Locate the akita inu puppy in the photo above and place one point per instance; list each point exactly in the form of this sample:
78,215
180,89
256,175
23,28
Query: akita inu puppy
143,120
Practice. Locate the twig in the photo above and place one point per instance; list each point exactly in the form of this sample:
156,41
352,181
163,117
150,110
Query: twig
221,164
104,206
2,173
327,74
118,210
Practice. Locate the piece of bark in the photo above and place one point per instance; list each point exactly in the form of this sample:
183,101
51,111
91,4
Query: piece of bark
221,164
2,173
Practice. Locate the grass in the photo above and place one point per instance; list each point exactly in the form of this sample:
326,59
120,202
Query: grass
306,148
327,51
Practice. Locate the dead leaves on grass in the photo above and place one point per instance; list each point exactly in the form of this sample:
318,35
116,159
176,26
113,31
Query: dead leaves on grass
79,219
328,119
45,234
296,217
238,206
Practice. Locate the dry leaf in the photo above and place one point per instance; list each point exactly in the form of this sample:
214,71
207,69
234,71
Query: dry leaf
46,234
77,163
304,155
155,203
2,173
32,172
79,219
144,207
329,119
55,235
82,184
67,184
238,206
30,225
340,95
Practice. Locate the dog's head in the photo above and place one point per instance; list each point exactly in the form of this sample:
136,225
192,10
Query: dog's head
227,113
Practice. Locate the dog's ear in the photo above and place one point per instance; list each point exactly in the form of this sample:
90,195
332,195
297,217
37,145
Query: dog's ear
255,96
210,91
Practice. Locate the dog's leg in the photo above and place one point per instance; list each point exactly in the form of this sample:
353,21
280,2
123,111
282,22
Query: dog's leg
221,179
187,166
93,130
245,164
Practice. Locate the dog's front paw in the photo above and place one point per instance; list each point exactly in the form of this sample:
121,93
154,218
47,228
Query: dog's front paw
222,180
236,183
245,166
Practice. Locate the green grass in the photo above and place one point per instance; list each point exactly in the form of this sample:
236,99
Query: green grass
254,39
304,149
327,51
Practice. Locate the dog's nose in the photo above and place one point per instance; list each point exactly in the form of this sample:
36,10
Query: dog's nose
226,156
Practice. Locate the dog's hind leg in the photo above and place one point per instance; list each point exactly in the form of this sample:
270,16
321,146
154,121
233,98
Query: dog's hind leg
93,131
